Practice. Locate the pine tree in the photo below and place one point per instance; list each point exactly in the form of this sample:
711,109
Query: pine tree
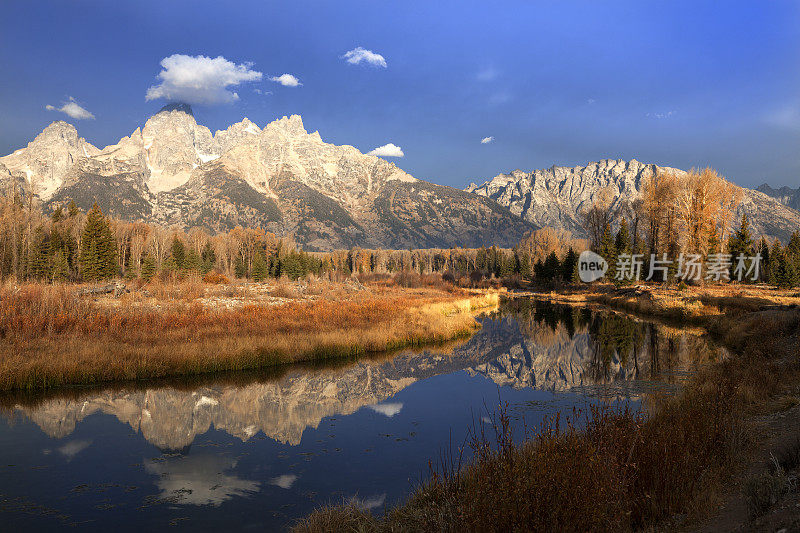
209,258
552,267
623,239
60,266
98,257
793,247
569,267
40,256
193,263
740,243
58,215
260,269
290,265
72,209
148,268
178,251
240,268
763,249
608,250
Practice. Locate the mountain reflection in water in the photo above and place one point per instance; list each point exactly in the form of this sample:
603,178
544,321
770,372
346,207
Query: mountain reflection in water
528,344
262,449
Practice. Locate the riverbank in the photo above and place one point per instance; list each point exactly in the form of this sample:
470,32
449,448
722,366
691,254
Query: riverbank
50,336
696,455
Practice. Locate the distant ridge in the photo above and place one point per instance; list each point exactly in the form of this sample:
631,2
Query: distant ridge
555,196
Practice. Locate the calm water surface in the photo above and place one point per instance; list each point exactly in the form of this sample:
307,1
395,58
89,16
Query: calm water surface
259,451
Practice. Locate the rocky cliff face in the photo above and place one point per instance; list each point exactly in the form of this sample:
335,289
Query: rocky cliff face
281,178
46,161
555,197
785,195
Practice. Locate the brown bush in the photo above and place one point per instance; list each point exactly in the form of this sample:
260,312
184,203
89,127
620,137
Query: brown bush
215,278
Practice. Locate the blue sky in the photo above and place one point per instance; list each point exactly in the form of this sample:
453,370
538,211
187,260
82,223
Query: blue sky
675,83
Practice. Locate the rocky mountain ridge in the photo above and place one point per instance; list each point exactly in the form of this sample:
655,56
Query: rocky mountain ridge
785,195
281,178
556,196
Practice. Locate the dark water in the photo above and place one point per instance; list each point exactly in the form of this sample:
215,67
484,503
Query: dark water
256,451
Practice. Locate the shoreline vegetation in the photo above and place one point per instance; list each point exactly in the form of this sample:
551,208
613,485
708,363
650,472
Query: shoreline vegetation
50,336
670,468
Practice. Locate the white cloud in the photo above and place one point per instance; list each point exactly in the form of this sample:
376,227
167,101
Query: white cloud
73,448
668,114
284,481
71,108
200,79
287,80
387,409
500,97
264,93
487,140
387,150
362,55
787,116
199,480
370,503
488,74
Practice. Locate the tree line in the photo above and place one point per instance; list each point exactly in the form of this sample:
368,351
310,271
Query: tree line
690,213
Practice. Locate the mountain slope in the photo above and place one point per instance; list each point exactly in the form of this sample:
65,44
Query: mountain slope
785,195
280,178
556,196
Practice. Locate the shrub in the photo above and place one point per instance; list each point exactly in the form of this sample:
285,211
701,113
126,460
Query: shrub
215,278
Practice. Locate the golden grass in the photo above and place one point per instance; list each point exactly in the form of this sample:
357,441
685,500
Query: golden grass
49,337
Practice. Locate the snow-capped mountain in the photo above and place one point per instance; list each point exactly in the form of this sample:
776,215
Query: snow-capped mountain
280,178
556,196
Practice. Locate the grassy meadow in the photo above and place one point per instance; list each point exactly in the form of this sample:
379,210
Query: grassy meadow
51,336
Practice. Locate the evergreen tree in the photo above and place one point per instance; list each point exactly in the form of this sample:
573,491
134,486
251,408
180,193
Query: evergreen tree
209,257
178,251
148,268
58,215
775,258
98,248
60,270
169,266
192,263
552,267
291,266
763,249
786,274
260,270
608,250
569,267
239,268
538,271
40,256
623,239
793,247
740,243
525,265
72,209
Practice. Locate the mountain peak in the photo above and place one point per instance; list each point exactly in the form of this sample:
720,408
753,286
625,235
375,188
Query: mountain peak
291,124
177,106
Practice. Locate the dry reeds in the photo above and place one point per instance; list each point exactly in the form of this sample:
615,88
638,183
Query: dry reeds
51,337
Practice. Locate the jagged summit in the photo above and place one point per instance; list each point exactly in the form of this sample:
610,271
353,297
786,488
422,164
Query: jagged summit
556,196
177,106
280,178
